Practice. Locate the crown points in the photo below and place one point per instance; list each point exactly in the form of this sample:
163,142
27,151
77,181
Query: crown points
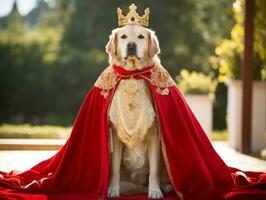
133,17
119,11
147,11
132,7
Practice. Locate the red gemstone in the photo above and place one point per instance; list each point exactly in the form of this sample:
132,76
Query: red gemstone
132,18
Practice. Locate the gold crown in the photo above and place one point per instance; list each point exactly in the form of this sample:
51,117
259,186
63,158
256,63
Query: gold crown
133,17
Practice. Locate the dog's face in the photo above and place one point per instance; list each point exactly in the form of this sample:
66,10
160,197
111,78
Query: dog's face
133,43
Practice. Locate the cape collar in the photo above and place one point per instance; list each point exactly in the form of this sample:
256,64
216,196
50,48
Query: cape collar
155,75
130,73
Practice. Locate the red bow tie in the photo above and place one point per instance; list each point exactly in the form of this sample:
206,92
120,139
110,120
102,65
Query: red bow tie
123,73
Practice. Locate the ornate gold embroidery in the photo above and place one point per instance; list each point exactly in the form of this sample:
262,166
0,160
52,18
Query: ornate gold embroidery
105,93
131,141
164,91
131,88
161,78
106,81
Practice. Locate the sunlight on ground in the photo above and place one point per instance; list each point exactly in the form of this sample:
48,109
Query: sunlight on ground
22,160
238,160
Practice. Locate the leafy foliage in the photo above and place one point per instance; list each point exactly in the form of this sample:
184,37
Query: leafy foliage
196,82
47,69
29,131
230,52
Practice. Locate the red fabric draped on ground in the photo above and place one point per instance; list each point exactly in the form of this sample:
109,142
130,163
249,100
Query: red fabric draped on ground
80,169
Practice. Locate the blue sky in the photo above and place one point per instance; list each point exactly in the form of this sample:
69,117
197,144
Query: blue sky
24,6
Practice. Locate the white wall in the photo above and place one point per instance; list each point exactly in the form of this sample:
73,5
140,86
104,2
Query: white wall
202,107
234,115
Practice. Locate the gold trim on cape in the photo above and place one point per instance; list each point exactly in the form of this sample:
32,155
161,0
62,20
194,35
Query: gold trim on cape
106,81
159,77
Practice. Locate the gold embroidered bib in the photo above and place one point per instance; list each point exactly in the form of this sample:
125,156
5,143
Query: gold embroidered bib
132,123
159,77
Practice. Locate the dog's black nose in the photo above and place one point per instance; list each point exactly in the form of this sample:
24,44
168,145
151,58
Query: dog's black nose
131,45
131,48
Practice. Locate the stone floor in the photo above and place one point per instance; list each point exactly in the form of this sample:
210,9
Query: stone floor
23,159
238,160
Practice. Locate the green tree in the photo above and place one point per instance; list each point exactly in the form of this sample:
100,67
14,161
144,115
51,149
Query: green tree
27,59
188,30
47,68
229,54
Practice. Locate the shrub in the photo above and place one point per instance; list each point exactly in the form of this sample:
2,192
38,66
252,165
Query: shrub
29,131
196,82
229,54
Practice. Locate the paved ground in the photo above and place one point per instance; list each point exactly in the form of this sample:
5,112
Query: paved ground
238,160
22,160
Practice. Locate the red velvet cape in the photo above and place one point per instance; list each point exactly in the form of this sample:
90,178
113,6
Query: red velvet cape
80,169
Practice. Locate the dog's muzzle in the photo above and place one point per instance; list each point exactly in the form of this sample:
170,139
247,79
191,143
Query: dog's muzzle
131,49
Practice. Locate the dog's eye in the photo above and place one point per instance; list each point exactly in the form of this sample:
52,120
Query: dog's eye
123,36
141,36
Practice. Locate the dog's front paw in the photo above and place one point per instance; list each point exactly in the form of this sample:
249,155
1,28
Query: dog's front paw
113,192
155,193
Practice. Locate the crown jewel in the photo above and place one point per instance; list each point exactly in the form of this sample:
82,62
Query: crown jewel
133,17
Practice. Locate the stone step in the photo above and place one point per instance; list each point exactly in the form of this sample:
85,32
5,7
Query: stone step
31,144
21,154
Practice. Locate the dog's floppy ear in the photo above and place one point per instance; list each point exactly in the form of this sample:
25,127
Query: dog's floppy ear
154,48
111,47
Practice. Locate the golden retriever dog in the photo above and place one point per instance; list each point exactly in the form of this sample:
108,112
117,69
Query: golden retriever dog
135,166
